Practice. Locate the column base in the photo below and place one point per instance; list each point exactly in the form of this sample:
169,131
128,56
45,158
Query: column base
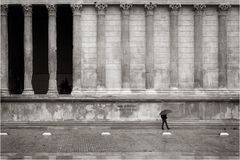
52,93
28,92
5,92
101,90
76,92
150,91
174,88
126,91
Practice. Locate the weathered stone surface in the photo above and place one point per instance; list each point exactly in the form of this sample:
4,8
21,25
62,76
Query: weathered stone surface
161,48
137,47
233,48
210,48
28,50
186,48
4,50
117,111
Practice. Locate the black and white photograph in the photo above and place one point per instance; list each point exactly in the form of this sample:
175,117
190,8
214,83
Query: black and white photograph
120,80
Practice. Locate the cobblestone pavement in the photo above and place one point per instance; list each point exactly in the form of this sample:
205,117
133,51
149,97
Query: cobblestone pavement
88,143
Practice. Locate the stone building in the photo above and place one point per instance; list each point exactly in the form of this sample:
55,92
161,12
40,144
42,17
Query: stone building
119,61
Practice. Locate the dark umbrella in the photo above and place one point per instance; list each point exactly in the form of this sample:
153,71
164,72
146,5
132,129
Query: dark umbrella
166,111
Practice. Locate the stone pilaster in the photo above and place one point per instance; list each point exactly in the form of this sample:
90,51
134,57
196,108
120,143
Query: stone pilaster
4,50
101,71
222,45
125,46
198,45
28,50
174,77
52,50
76,9
149,59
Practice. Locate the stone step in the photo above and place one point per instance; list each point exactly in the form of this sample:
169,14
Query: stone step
114,156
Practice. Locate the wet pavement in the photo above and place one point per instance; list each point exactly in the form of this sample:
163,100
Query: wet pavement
88,143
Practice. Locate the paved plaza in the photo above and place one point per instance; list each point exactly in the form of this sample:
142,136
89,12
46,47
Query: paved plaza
122,143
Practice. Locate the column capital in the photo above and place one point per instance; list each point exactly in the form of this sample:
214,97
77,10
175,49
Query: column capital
27,9
199,8
101,8
224,7
4,9
149,8
76,8
125,8
175,7
51,9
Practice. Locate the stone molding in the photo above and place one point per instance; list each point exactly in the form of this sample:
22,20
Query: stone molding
101,8
175,7
114,2
199,7
224,7
150,6
27,8
4,9
76,8
126,6
51,9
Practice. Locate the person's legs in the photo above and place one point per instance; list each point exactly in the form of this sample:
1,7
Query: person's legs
166,124
162,123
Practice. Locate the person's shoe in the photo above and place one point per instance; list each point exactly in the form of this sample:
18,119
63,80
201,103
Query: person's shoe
168,128
162,128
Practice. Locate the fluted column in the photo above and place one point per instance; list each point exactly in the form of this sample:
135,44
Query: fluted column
174,78
4,50
52,50
198,45
76,9
125,46
149,60
222,45
28,50
101,72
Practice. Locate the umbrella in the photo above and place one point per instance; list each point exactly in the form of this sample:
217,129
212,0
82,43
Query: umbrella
166,111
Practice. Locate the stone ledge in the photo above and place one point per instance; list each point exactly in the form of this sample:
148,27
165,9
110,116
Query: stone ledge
228,124
134,96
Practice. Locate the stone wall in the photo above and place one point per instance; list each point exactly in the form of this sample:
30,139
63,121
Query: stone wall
191,112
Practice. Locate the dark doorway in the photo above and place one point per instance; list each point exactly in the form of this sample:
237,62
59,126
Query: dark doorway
40,49
64,49
15,49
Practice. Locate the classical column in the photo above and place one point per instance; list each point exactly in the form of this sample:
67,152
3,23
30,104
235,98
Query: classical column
28,50
149,59
198,45
222,45
76,9
4,50
174,78
125,46
52,50
101,73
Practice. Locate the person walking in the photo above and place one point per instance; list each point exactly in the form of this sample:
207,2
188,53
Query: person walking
164,120
163,115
